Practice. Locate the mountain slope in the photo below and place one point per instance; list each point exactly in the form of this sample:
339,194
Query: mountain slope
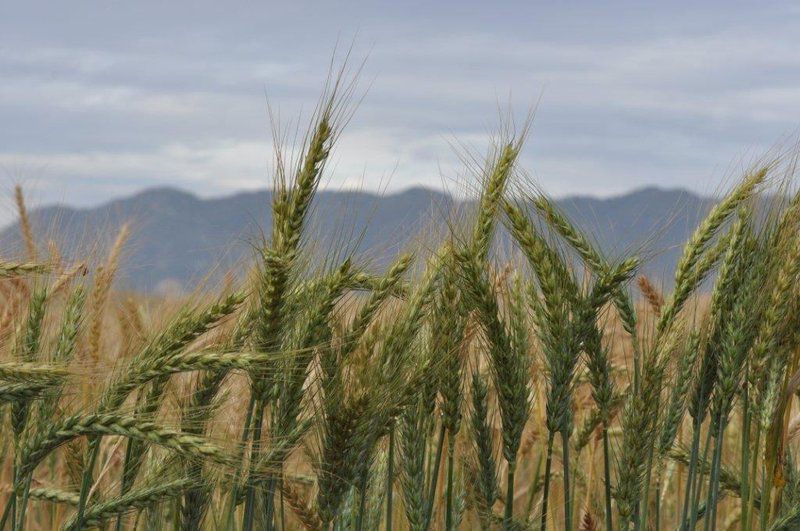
178,238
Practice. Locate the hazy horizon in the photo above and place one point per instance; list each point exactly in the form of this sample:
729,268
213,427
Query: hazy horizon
33,205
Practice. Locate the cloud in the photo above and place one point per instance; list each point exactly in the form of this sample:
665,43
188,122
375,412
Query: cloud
365,157
625,98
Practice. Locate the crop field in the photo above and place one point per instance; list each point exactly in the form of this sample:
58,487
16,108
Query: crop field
550,387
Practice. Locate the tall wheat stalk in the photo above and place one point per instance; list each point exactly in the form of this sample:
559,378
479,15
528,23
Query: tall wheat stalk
317,389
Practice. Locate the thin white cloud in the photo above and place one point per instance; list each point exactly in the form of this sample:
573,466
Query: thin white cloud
71,96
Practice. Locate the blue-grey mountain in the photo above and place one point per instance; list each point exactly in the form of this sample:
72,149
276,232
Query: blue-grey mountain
178,238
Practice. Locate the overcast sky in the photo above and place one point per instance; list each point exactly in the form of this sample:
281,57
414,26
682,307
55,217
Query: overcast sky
102,99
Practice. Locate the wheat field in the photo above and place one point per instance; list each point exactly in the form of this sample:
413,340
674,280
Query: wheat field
558,389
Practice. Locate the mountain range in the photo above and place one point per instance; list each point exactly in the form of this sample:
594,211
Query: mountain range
179,239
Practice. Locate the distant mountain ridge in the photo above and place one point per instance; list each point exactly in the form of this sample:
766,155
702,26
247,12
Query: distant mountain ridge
179,239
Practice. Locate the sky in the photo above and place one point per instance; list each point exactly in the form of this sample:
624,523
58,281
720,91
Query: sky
99,100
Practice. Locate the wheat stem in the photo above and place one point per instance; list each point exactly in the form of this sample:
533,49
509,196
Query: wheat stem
547,467
390,479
